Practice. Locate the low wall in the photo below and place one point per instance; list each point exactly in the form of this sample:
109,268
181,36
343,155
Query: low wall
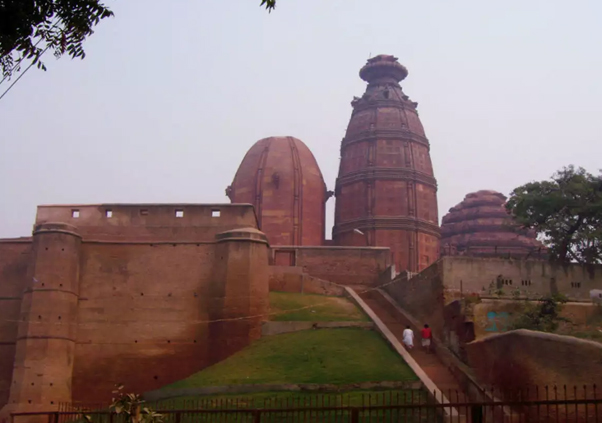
349,266
276,328
422,296
519,358
293,279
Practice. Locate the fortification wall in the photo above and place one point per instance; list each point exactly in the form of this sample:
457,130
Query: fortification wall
350,266
143,305
293,279
150,222
14,259
142,316
516,359
529,277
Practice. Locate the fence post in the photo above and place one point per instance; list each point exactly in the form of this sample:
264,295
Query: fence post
476,413
256,416
355,415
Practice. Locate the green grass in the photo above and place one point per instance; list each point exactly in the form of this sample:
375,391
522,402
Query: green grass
294,400
314,308
337,356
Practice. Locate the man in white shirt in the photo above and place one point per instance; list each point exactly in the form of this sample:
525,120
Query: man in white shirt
408,338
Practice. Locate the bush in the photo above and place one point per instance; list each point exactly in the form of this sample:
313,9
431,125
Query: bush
543,316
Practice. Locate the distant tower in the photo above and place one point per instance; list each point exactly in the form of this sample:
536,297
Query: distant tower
480,226
386,188
281,178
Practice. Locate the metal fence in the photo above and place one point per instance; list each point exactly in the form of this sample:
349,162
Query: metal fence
548,404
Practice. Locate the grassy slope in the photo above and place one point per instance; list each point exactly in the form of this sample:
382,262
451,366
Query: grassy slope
336,356
318,308
294,399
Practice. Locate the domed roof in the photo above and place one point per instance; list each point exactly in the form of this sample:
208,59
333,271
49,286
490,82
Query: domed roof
481,226
281,178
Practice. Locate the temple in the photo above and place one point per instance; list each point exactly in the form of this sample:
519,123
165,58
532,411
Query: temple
386,188
279,176
480,226
148,294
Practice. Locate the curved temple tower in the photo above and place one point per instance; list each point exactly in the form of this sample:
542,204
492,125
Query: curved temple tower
386,194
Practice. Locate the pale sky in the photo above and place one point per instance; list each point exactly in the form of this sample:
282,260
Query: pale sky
172,94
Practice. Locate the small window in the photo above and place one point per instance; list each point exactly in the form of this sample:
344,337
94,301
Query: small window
109,213
576,284
75,213
143,212
179,213
215,213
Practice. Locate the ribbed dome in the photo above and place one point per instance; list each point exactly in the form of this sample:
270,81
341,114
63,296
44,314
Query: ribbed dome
281,178
481,226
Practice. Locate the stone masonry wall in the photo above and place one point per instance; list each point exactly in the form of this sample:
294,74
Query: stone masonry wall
422,296
141,306
350,266
293,279
141,316
14,258
516,359
530,277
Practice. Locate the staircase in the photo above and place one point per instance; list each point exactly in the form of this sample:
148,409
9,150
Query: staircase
429,362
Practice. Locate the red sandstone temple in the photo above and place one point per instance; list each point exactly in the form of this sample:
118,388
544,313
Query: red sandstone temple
103,293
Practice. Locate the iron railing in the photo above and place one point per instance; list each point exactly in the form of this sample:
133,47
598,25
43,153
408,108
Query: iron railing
548,404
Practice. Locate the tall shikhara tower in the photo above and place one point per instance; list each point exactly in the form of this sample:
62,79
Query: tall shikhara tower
386,189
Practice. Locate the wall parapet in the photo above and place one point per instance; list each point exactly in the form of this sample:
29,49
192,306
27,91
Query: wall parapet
519,358
156,222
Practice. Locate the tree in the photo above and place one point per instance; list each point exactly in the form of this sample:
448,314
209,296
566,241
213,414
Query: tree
566,212
28,28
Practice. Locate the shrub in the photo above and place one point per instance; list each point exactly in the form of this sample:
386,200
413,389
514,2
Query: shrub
543,316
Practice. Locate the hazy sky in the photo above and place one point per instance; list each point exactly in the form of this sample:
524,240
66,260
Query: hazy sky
173,93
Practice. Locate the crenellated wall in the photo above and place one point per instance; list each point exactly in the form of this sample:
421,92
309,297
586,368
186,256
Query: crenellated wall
124,294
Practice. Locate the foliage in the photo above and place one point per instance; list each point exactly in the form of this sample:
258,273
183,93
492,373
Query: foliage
566,212
131,406
30,27
285,306
269,4
543,316
337,356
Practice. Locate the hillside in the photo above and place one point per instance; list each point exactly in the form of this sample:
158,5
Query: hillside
337,356
285,306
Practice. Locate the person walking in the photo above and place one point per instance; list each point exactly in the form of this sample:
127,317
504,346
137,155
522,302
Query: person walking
426,335
408,338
